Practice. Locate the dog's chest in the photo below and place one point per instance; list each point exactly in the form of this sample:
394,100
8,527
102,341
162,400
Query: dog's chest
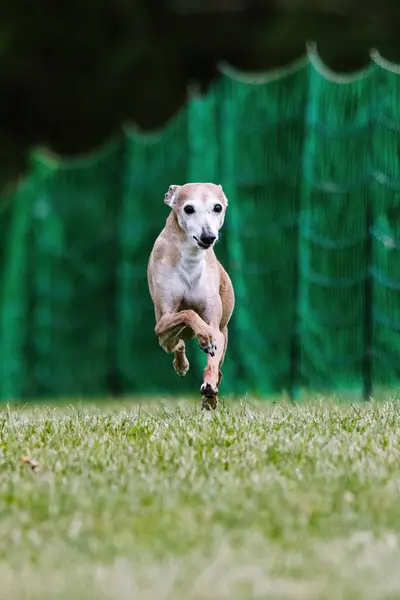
192,283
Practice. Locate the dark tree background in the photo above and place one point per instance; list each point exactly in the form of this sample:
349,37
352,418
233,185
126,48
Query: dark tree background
72,73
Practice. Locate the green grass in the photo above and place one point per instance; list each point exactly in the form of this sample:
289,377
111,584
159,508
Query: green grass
170,503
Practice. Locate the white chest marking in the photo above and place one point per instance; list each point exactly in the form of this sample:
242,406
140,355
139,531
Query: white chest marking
191,272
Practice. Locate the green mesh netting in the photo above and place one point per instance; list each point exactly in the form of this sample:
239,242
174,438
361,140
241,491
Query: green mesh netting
74,254
333,230
262,134
15,220
385,226
309,161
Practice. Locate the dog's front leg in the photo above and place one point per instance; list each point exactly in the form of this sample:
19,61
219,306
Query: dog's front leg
212,375
170,326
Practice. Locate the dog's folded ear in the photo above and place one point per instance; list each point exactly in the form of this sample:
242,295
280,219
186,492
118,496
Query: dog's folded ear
223,194
171,195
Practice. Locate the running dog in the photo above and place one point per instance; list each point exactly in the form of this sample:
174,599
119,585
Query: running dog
191,291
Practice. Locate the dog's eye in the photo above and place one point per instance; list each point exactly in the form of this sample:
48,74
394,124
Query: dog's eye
218,208
189,210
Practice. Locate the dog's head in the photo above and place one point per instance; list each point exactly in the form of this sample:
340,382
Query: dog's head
200,211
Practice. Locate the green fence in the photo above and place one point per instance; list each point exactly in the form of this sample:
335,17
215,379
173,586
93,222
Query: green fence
310,163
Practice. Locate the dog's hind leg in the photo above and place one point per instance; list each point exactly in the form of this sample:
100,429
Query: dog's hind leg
181,363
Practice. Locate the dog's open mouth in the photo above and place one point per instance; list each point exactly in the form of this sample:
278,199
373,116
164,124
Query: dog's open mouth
201,244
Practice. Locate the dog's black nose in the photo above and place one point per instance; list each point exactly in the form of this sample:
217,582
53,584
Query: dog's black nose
207,239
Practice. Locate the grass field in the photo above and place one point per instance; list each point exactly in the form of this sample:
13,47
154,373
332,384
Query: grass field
167,502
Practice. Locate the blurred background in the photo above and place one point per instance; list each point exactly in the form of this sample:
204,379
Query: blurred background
292,105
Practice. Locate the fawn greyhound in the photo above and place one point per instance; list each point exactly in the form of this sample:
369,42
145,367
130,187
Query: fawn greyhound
191,291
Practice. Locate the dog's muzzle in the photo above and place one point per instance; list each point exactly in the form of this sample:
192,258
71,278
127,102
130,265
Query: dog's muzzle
205,241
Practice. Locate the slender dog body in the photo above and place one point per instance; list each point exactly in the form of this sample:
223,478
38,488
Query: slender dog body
191,291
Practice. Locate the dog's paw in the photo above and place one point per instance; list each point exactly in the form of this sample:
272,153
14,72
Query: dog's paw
181,366
208,390
209,403
208,345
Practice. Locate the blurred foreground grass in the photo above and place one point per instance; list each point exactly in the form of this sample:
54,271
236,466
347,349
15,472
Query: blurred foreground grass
170,503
